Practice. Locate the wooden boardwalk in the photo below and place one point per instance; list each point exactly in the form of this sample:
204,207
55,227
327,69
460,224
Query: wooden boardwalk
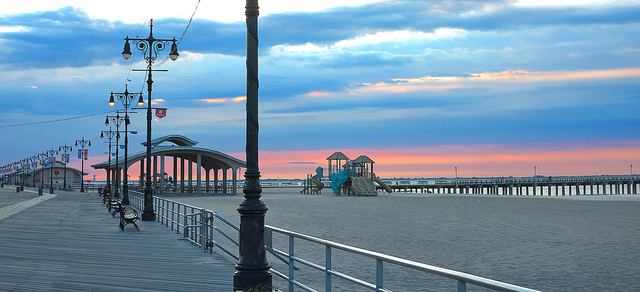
69,242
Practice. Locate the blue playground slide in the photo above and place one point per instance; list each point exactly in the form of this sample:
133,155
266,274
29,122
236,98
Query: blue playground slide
337,179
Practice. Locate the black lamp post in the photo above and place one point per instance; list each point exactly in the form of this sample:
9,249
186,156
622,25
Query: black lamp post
82,143
117,120
110,134
150,47
42,157
252,269
51,154
66,149
126,98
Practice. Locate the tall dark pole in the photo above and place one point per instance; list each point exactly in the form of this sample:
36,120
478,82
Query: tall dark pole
66,150
117,120
52,156
252,269
82,143
126,98
150,46
148,214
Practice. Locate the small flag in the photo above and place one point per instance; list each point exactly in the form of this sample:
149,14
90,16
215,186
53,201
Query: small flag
161,112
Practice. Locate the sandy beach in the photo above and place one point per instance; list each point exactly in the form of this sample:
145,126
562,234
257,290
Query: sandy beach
577,243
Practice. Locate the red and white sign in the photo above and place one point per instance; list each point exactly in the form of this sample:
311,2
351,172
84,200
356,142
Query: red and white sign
161,112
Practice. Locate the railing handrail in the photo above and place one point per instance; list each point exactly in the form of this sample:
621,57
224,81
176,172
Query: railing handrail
202,238
460,276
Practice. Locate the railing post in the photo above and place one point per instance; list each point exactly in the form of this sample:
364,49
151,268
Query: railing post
462,286
291,262
379,274
327,269
185,231
210,232
203,226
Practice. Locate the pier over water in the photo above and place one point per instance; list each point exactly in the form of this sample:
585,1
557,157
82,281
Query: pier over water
539,186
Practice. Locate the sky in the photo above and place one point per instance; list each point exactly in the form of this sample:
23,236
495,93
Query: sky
492,88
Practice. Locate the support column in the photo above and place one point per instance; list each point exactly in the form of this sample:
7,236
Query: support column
190,173
182,175
224,181
142,173
234,183
154,176
207,181
175,174
162,174
198,173
215,180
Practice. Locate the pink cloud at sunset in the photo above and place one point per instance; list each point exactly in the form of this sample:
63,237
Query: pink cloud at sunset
553,159
437,83
223,100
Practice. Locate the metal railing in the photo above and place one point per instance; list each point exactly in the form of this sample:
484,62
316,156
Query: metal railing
199,226
381,260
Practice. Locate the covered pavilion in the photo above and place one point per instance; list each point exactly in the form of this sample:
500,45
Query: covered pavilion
55,175
182,149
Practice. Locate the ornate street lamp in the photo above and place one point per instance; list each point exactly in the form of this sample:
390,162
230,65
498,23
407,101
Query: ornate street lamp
117,120
252,269
66,149
150,47
126,98
82,144
110,134
51,156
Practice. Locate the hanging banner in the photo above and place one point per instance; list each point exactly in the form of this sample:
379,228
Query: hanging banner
67,156
161,112
79,154
86,154
63,156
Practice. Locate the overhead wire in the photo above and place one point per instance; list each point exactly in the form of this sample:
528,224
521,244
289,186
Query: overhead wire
52,121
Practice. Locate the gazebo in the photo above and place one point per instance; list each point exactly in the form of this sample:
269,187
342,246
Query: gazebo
182,150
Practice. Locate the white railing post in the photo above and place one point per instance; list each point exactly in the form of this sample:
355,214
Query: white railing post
327,268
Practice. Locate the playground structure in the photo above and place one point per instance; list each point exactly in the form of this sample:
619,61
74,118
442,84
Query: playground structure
316,181
350,177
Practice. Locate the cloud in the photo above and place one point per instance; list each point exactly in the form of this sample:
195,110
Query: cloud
479,160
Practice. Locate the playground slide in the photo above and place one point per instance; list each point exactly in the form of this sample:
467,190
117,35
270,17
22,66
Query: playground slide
382,184
363,186
337,179
319,185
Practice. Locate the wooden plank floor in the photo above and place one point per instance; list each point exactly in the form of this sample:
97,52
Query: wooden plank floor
71,243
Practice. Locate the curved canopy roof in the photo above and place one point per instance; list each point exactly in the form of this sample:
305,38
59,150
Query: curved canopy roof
210,159
175,139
